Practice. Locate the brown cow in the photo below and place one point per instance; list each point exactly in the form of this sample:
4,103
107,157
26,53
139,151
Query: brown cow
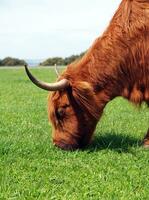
117,64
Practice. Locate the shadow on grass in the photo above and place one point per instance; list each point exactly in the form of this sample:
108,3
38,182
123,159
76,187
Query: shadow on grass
114,142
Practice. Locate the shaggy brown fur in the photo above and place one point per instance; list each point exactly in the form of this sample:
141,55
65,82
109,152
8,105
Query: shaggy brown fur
117,64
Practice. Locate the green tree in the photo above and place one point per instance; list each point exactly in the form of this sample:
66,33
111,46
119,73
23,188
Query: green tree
61,61
8,61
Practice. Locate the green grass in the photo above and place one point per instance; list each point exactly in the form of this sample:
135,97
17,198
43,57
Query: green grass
114,167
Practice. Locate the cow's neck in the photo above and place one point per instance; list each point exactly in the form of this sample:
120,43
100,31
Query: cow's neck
107,64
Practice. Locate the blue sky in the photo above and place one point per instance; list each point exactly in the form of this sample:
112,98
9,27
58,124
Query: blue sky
46,28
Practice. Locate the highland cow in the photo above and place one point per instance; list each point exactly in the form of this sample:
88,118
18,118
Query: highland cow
117,64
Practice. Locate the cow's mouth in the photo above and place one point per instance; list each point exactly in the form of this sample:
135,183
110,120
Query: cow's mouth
64,146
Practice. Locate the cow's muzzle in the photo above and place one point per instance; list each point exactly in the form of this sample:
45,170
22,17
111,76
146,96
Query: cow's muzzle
64,146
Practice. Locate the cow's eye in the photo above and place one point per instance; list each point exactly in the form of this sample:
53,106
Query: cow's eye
60,113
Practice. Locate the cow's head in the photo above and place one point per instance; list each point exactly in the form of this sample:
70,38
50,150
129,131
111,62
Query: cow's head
73,112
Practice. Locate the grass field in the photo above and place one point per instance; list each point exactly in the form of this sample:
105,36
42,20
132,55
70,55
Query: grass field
114,167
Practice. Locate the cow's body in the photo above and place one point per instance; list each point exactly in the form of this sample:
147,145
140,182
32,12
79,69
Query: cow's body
117,64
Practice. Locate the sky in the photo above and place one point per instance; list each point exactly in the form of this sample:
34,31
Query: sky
38,29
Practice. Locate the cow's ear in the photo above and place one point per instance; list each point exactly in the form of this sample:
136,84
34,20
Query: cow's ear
82,90
84,95
82,86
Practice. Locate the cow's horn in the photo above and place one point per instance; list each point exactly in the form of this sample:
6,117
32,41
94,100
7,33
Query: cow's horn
56,71
60,85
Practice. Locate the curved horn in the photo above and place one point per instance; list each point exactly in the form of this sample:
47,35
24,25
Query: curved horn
60,85
56,71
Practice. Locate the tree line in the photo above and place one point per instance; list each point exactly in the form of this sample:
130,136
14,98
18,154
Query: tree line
9,61
61,61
